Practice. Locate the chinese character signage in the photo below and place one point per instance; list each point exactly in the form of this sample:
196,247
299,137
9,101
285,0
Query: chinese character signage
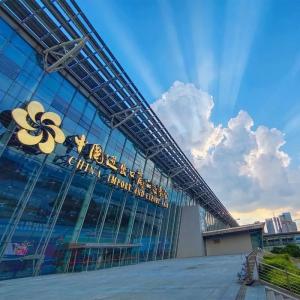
93,153
41,129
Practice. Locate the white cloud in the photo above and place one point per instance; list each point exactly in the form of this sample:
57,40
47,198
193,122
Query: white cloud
186,111
246,167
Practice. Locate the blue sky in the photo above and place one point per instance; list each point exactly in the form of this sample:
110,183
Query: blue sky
229,73
246,54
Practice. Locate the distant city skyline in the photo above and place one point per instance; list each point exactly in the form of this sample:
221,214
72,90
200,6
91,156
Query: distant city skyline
223,76
283,223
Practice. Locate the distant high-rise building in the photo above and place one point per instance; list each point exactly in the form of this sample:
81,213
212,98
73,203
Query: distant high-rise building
270,226
287,224
281,224
278,227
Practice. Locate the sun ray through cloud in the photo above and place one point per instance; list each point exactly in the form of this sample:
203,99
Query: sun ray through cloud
172,37
241,24
201,14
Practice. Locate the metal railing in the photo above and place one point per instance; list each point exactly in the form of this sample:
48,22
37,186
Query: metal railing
245,276
278,277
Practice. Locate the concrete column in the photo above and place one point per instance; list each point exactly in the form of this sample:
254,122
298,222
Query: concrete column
190,242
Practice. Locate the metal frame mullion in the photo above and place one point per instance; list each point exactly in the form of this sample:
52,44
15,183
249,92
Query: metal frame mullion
136,198
124,197
158,235
157,208
173,221
146,161
161,221
82,214
177,223
121,217
145,164
152,226
167,224
83,211
130,226
142,231
105,215
109,197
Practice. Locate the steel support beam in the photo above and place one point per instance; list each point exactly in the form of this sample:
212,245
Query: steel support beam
123,116
201,194
156,149
175,171
63,53
191,185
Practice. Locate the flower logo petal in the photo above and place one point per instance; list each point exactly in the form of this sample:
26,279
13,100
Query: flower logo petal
28,139
47,146
20,117
55,118
33,109
59,136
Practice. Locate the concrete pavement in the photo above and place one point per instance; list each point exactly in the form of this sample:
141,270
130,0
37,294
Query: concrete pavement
207,278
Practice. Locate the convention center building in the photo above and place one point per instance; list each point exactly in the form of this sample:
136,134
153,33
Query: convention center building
89,176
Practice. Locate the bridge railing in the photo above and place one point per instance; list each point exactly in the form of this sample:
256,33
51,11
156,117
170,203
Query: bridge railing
278,277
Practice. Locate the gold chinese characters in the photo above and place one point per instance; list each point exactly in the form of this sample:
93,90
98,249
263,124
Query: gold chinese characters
41,129
137,184
148,195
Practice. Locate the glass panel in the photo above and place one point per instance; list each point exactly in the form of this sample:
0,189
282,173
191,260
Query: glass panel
95,214
147,231
125,221
18,177
112,217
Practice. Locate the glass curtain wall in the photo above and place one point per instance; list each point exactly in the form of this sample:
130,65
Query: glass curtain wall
54,218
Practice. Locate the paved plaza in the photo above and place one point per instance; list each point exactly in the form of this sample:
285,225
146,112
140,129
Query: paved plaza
208,278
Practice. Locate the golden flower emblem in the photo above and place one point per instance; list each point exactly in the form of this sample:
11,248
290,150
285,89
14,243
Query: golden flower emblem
38,127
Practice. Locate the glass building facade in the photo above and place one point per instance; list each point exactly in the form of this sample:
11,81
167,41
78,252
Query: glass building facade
54,218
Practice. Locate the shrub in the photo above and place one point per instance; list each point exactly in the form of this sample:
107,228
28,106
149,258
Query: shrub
291,249
277,250
283,262
279,276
